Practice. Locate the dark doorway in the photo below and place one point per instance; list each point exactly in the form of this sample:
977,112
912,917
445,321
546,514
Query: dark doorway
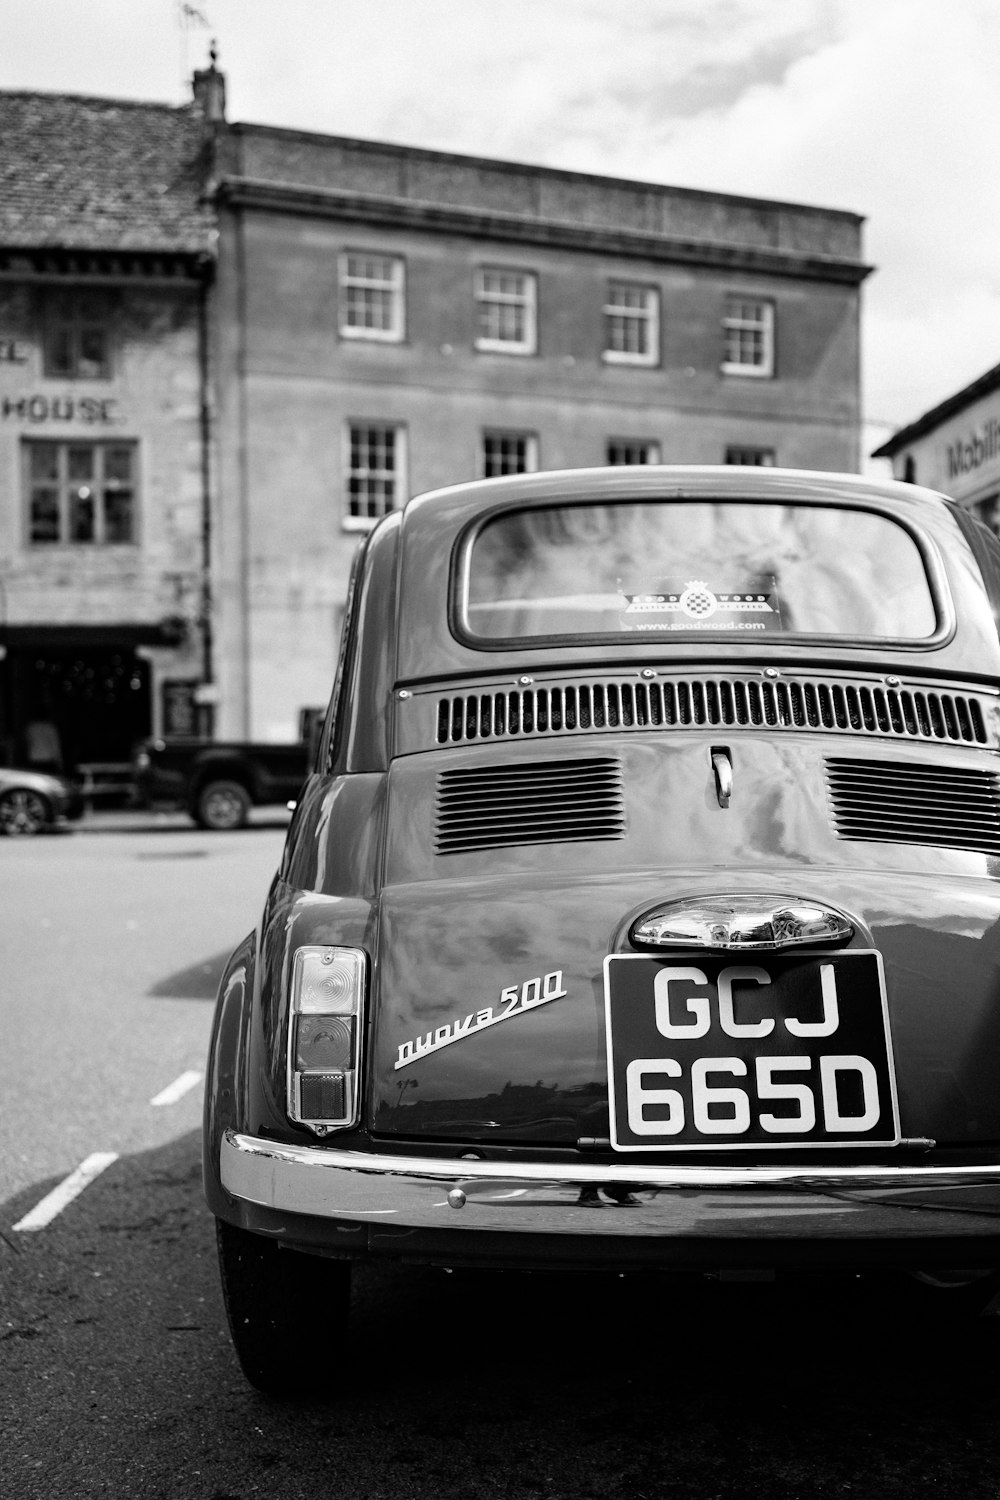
67,706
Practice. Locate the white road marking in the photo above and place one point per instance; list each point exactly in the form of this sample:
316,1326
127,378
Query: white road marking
71,1187
178,1088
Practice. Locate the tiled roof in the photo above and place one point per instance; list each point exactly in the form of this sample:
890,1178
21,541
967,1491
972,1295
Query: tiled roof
101,174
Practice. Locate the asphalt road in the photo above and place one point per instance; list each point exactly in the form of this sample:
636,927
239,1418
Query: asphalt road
116,1373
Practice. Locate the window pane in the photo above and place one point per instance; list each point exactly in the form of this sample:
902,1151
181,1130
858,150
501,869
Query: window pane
371,481
59,352
81,493
118,465
118,515
715,567
43,521
80,463
44,460
371,295
504,306
748,329
757,457
81,516
633,453
505,453
93,352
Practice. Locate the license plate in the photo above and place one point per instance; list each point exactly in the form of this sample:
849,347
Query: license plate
723,1052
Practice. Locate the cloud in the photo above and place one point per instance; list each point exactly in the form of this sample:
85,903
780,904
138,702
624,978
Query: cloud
895,118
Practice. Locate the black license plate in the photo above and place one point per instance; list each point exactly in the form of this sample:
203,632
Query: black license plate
721,1051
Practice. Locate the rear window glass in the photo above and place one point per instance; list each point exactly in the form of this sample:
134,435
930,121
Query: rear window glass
696,566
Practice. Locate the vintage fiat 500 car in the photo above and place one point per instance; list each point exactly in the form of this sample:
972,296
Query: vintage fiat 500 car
641,909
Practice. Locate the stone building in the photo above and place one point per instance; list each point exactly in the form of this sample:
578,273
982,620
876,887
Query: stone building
955,448
381,320
106,262
392,319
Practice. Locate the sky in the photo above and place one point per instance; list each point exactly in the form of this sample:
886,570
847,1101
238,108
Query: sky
888,108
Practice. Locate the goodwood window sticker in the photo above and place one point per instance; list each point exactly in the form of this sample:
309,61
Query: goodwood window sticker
695,606
513,1000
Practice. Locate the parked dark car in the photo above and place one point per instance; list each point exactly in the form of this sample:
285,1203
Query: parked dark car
218,782
33,801
640,910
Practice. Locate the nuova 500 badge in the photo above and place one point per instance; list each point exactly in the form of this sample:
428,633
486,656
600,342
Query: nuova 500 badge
513,1000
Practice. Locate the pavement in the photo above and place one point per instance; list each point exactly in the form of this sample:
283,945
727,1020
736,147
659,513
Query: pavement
152,820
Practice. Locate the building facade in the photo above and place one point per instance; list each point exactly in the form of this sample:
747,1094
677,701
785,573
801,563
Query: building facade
955,448
227,350
390,320
105,271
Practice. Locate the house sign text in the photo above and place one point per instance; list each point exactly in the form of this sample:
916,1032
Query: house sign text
39,409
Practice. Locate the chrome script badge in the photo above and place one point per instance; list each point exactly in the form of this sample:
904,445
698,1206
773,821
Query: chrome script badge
513,1000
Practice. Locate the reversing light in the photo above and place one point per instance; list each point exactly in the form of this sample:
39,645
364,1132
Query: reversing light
752,920
324,1037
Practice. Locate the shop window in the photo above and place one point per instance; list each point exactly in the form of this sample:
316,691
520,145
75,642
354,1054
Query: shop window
509,453
506,305
80,493
372,296
77,336
631,324
756,458
376,453
632,451
748,329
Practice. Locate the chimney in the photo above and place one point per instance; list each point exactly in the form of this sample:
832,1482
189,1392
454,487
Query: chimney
209,88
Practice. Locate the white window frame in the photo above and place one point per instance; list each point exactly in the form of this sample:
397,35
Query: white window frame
650,445
98,488
394,284
737,320
527,299
646,317
530,440
763,458
398,472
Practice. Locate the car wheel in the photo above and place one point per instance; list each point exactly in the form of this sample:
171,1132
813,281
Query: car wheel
221,805
287,1311
22,813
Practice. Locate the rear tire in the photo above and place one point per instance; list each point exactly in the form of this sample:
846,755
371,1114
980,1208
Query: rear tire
221,805
287,1312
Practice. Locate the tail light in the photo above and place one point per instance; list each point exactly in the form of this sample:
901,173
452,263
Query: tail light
324,1037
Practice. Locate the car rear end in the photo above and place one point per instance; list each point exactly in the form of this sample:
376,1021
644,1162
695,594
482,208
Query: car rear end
654,923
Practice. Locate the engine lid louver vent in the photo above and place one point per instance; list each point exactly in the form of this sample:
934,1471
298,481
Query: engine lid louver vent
717,702
887,802
547,802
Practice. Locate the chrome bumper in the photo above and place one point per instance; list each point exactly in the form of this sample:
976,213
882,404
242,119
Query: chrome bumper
748,1203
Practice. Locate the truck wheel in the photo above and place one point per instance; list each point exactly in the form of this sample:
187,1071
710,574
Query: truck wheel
287,1312
221,805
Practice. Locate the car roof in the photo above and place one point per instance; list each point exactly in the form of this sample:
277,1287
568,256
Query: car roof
432,525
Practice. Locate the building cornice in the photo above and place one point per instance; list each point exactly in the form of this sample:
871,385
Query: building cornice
404,213
403,155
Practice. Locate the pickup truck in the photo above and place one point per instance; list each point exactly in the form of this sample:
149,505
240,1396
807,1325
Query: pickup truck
218,781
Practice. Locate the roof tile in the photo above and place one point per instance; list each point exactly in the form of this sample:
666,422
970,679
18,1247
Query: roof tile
101,174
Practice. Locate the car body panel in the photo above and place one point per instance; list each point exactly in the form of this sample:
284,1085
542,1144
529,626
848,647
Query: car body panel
62,799
711,766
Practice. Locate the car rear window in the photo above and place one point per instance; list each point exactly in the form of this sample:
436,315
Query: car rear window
695,566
